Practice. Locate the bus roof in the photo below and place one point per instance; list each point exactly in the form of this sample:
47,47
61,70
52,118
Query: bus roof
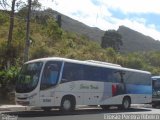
89,62
155,77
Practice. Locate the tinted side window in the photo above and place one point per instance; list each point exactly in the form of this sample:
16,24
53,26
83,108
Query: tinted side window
156,84
137,78
50,74
116,76
94,73
72,72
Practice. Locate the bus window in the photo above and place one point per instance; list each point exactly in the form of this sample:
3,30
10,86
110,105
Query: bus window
50,74
111,75
117,76
137,78
156,84
72,72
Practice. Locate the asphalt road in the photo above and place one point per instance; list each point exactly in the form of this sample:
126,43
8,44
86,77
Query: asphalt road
86,114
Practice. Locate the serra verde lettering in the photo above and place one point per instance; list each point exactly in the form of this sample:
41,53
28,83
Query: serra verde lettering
83,86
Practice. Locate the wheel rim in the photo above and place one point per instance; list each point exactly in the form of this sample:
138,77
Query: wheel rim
126,104
67,105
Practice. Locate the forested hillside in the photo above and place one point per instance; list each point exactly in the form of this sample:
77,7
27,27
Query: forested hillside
133,40
47,39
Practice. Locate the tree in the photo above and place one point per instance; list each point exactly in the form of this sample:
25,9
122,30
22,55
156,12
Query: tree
53,31
59,21
3,3
35,8
9,47
11,23
26,50
35,5
112,39
135,61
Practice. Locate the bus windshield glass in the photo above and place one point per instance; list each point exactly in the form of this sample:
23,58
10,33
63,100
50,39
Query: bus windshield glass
28,77
156,84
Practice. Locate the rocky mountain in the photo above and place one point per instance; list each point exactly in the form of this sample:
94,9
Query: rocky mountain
72,25
133,41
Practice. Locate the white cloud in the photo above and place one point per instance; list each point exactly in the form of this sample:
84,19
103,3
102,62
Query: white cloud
148,30
134,6
138,25
126,6
99,16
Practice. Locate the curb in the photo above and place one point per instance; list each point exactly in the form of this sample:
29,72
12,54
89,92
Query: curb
27,108
17,108
13,108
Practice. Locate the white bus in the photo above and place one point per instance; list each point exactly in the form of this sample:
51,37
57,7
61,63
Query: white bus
66,83
156,91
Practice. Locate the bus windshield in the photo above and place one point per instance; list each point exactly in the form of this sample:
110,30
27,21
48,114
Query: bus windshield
28,77
156,84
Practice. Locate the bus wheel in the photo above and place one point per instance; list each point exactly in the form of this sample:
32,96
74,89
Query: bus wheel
67,104
47,109
105,107
126,103
154,105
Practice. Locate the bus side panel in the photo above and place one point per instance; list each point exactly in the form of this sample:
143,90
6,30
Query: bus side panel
69,88
139,93
112,94
102,93
46,97
94,92
85,92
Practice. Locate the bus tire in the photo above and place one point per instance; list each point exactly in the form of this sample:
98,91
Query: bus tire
68,104
126,103
105,107
154,105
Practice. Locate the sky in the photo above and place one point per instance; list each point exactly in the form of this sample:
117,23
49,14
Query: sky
140,15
